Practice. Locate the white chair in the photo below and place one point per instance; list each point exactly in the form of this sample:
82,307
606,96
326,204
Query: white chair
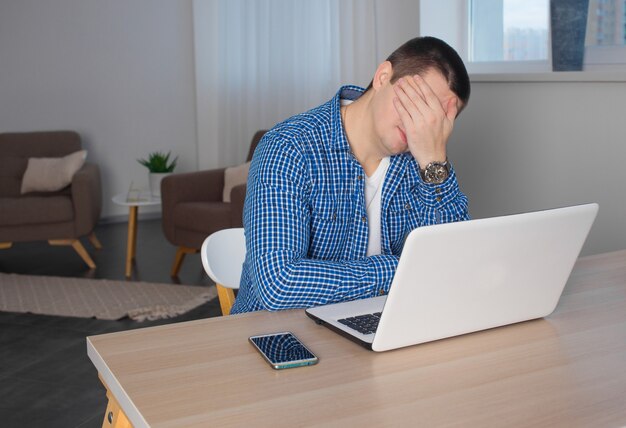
223,254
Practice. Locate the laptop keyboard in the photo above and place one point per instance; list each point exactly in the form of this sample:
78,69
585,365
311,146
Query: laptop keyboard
364,324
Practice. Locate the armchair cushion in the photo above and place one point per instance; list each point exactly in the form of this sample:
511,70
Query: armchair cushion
51,174
36,210
234,176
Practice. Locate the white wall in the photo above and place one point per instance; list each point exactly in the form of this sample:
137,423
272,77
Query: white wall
524,146
118,72
397,22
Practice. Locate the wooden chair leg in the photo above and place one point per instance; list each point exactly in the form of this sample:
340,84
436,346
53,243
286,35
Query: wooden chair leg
78,247
226,297
5,245
94,241
180,256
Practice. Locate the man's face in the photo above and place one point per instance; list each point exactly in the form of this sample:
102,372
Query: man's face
387,123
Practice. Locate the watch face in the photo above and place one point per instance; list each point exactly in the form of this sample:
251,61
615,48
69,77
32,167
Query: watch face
436,173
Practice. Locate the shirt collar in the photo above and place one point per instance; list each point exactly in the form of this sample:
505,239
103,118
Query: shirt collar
349,92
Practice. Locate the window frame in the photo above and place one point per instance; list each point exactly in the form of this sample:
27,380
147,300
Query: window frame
605,58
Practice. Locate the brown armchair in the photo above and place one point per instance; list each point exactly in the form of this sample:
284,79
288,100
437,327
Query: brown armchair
193,207
60,217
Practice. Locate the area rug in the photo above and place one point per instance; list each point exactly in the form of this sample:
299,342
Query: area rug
99,298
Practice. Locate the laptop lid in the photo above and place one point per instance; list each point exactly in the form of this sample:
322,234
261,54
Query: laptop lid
462,277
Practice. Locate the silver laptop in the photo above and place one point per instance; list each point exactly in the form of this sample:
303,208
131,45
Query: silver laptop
458,278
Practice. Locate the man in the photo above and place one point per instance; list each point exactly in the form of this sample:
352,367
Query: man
333,192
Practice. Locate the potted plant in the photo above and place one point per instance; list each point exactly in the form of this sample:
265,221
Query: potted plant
160,166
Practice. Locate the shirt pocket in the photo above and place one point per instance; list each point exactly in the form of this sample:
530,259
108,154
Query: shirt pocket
331,224
403,217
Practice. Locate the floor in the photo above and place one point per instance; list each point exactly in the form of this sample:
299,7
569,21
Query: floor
46,378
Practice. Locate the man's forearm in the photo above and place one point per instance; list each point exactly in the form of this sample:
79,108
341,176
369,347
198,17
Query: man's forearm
285,281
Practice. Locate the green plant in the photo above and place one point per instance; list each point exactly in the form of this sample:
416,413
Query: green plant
159,162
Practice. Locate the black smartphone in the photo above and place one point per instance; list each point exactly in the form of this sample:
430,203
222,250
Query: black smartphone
283,350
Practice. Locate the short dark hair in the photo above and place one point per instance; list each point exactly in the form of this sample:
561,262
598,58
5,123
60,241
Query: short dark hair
421,54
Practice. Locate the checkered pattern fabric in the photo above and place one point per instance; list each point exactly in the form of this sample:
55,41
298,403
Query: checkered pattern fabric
305,218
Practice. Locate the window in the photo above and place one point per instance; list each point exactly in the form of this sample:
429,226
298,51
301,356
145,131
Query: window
606,23
513,36
502,36
606,34
508,30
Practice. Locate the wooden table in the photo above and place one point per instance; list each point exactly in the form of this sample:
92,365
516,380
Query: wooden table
143,199
566,370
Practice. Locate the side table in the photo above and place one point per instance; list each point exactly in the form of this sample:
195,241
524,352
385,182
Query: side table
144,199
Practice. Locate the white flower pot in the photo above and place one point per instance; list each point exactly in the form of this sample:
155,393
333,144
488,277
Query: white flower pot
155,182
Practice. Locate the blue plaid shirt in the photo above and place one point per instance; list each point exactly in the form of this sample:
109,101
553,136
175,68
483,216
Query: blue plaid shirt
305,218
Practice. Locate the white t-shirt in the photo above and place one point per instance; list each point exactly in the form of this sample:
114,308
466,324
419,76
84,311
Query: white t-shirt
373,192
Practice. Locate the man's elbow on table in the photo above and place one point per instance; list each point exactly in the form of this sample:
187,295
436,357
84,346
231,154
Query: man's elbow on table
275,295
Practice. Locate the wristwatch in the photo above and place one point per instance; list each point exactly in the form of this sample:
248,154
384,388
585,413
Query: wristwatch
435,172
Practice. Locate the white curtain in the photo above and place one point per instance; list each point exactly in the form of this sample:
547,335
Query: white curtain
261,61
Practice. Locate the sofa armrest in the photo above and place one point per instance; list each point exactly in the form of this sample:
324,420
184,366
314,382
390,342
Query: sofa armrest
237,199
86,191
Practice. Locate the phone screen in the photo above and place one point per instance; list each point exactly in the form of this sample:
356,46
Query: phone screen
283,350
